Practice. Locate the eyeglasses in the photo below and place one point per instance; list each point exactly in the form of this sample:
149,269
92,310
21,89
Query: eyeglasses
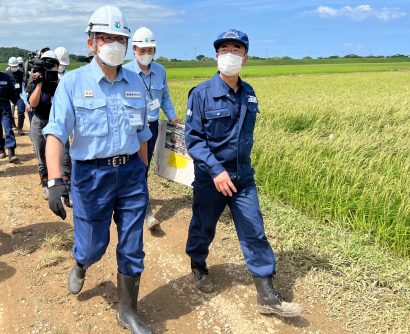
108,38
235,50
144,51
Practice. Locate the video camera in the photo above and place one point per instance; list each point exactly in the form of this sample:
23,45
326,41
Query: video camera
43,65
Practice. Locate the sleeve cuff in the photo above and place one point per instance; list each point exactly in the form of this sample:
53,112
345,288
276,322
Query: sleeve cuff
171,114
144,135
53,129
216,170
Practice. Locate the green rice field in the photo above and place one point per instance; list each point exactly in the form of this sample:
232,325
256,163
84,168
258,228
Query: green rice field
332,140
273,70
334,145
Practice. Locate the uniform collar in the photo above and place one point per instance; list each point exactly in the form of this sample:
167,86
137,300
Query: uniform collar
151,68
219,87
99,74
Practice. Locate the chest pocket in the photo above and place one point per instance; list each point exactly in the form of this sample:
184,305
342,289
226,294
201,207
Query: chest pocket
91,117
134,113
157,87
217,122
250,117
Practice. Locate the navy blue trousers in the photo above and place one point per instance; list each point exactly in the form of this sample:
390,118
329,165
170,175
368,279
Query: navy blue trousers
21,108
153,126
6,122
208,205
99,194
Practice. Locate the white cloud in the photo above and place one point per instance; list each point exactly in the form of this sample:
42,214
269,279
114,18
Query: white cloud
31,24
359,13
20,13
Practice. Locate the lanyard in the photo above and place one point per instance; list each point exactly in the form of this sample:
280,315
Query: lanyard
147,87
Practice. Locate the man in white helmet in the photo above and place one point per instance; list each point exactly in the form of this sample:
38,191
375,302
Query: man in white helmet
17,76
21,63
103,105
64,59
154,79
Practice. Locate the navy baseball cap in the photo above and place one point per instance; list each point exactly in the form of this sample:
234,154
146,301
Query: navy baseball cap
232,35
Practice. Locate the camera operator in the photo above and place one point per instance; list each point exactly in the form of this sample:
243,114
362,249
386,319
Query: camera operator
17,76
41,87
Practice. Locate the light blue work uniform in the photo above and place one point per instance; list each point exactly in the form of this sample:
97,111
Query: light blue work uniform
108,119
219,137
156,88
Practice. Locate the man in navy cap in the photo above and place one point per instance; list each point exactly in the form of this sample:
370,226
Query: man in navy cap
220,121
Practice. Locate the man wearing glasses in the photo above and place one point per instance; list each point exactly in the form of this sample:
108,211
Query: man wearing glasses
220,121
103,105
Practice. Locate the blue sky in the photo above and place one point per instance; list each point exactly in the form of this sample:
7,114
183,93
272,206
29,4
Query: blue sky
185,29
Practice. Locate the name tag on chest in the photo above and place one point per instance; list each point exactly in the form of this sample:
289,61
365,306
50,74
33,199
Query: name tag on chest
154,104
135,118
88,93
133,95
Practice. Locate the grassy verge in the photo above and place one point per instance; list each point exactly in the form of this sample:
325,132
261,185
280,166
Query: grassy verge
362,284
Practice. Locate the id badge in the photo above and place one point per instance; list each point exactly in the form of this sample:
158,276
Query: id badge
154,104
135,118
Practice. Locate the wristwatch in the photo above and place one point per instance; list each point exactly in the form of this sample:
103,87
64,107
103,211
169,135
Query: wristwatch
55,182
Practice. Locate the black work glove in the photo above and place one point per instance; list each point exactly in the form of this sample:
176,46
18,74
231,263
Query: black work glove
57,194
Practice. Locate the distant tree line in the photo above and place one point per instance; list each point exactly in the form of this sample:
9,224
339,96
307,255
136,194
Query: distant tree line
204,58
7,52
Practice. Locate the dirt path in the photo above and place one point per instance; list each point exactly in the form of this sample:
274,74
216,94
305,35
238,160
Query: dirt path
34,268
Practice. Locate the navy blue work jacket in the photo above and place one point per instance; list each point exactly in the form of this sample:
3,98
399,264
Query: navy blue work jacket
219,128
7,90
17,78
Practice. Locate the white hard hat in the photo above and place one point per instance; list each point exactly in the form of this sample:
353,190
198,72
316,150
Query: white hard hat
20,60
144,38
13,62
108,20
49,54
62,55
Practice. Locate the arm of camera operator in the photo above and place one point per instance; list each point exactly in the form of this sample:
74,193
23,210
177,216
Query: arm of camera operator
35,96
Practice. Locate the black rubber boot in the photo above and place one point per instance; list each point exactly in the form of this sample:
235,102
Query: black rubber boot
20,126
76,279
128,288
12,155
202,280
271,302
2,153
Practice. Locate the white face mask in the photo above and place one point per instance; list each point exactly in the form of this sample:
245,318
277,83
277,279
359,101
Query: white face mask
145,59
14,69
229,64
61,68
112,54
